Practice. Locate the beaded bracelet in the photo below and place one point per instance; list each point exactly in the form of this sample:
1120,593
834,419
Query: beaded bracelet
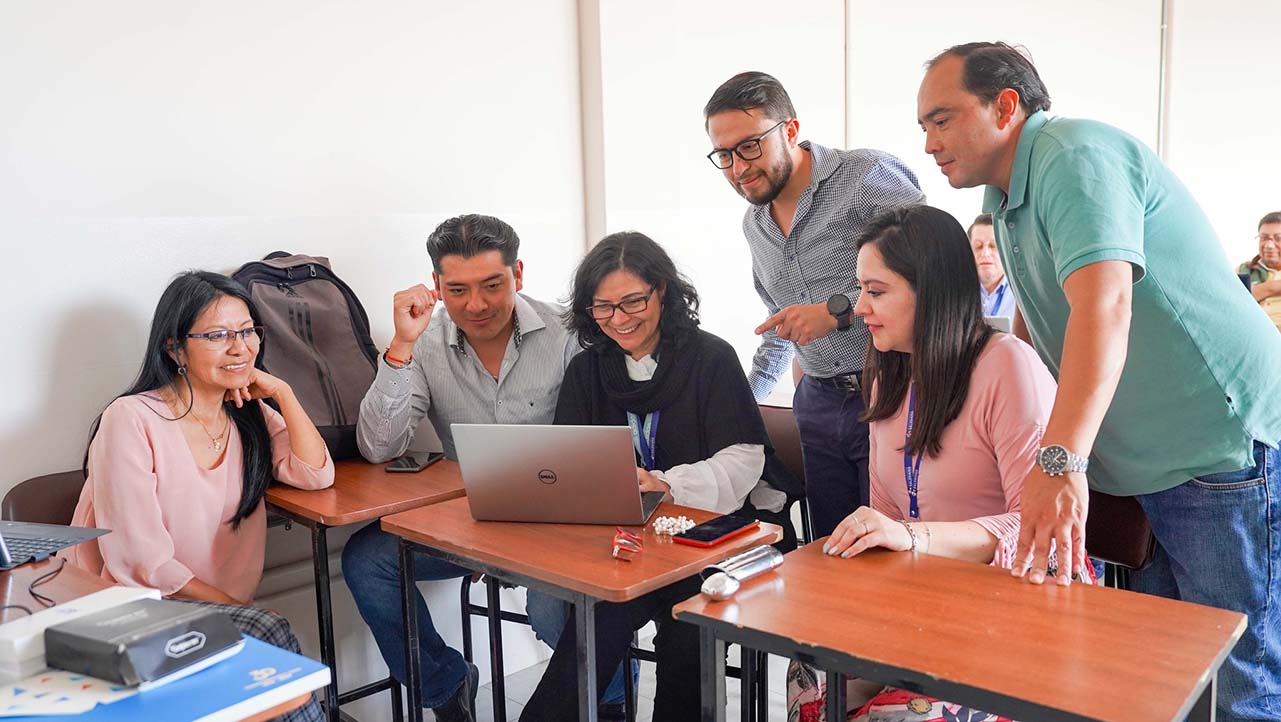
910,532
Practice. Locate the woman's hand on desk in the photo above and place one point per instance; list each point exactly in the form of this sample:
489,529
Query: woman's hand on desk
864,529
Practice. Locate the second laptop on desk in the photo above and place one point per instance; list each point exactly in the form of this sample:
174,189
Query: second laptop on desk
560,474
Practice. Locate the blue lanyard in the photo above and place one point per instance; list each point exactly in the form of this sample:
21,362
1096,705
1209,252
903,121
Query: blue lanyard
1000,296
645,437
911,467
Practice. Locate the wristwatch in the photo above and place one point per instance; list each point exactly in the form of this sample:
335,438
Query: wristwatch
839,306
1056,460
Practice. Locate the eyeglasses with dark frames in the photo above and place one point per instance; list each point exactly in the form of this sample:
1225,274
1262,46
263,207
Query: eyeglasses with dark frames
749,149
635,304
252,336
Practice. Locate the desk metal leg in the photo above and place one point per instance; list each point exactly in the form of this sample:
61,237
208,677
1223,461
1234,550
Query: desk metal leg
747,683
1204,709
325,616
413,668
762,689
835,696
585,626
711,673
496,647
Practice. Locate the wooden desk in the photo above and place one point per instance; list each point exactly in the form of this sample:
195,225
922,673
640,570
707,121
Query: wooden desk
70,583
568,561
974,635
361,492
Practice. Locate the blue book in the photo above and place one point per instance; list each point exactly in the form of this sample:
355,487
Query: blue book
258,678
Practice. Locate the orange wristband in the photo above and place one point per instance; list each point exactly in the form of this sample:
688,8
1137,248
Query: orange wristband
387,355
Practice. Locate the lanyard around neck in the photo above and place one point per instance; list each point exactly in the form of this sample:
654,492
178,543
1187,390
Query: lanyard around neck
645,437
1000,296
911,465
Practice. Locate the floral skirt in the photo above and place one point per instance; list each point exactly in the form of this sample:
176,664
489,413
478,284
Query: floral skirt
807,700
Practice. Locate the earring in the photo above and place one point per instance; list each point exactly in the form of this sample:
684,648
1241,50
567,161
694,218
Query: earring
182,370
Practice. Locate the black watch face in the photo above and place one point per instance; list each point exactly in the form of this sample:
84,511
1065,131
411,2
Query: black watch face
838,305
1054,458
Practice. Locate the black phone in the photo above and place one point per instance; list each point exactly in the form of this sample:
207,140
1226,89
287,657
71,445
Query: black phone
417,461
715,531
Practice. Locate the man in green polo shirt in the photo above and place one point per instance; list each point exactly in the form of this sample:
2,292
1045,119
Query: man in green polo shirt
1167,373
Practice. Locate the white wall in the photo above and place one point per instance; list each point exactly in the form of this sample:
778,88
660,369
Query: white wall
1098,58
661,61
1225,113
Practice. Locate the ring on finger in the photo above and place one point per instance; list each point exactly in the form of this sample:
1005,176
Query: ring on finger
866,529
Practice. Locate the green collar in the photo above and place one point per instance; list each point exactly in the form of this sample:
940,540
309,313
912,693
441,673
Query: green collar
994,198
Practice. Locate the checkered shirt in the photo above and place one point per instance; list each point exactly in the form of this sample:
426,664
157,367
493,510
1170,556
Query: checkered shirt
817,259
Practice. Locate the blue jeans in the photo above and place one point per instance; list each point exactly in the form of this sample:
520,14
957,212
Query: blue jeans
548,616
1219,544
834,449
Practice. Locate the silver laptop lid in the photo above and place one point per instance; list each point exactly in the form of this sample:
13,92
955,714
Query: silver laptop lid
563,474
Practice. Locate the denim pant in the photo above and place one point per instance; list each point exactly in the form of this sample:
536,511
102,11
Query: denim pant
1219,544
834,448
371,565
548,616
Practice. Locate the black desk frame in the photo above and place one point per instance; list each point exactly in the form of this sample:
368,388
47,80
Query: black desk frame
325,621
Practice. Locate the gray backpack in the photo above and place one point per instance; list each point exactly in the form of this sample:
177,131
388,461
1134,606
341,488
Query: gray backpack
317,340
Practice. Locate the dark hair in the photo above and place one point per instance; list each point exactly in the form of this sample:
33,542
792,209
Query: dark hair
470,235
928,248
638,254
748,91
982,219
1273,217
182,302
993,67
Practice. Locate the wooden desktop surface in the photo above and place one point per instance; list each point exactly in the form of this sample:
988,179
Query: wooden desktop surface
364,491
70,583
571,556
1095,652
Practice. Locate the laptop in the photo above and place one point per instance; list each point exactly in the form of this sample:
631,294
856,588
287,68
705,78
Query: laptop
24,541
561,474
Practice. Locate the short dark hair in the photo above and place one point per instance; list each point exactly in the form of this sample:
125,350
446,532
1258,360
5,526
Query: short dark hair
993,67
748,91
183,300
1273,217
928,248
982,219
471,234
638,254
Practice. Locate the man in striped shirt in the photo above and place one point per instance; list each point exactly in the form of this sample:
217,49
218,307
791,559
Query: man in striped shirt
808,202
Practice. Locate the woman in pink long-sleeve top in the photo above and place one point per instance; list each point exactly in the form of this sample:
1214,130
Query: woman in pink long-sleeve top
178,465
956,411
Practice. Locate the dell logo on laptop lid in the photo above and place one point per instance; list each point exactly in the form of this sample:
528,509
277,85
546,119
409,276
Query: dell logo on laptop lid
547,476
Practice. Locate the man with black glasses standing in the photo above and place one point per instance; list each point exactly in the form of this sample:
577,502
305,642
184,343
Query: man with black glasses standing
808,204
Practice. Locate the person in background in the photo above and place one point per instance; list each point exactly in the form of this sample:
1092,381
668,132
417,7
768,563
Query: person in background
1167,372
807,202
178,464
955,410
1264,269
994,288
698,437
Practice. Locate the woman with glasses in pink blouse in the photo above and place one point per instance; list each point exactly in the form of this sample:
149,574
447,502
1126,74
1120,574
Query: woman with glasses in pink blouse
178,465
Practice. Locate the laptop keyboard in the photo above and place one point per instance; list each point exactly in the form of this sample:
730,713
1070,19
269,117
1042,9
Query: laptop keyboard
22,549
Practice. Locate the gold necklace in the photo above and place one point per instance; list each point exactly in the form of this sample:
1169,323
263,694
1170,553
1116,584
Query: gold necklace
216,441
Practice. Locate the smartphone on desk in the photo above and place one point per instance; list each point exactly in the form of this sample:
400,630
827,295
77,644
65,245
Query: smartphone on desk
715,531
416,461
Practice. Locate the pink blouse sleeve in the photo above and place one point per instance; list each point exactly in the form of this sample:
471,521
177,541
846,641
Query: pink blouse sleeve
139,551
289,469
1020,395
